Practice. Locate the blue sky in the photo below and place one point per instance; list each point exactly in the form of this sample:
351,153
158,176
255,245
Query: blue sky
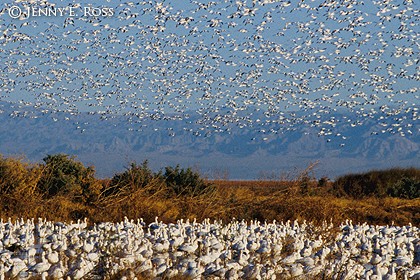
291,62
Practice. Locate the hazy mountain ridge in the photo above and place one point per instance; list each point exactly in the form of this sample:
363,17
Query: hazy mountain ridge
243,153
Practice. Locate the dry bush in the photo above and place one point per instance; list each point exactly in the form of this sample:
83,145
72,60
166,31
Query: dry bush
18,187
17,176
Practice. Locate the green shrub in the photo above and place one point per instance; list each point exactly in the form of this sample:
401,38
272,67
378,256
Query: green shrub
323,182
63,175
405,188
133,178
397,182
185,181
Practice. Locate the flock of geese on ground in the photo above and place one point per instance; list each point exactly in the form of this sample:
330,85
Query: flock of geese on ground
237,250
235,63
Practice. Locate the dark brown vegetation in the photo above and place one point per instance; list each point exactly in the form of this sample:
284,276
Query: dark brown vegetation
396,182
62,188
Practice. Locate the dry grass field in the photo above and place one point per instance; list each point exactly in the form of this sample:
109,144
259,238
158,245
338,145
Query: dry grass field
23,195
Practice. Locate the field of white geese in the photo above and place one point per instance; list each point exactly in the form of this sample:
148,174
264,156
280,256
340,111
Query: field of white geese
207,250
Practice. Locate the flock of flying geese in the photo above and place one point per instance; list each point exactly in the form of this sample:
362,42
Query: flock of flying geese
235,63
238,250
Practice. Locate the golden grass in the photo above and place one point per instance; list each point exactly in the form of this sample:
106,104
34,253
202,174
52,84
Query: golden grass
263,200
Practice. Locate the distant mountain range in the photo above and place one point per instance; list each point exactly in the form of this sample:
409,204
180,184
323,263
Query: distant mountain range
238,153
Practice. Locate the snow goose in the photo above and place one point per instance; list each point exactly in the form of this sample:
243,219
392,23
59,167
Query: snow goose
52,256
42,266
189,247
291,259
18,266
296,270
2,272
144,266
57,271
